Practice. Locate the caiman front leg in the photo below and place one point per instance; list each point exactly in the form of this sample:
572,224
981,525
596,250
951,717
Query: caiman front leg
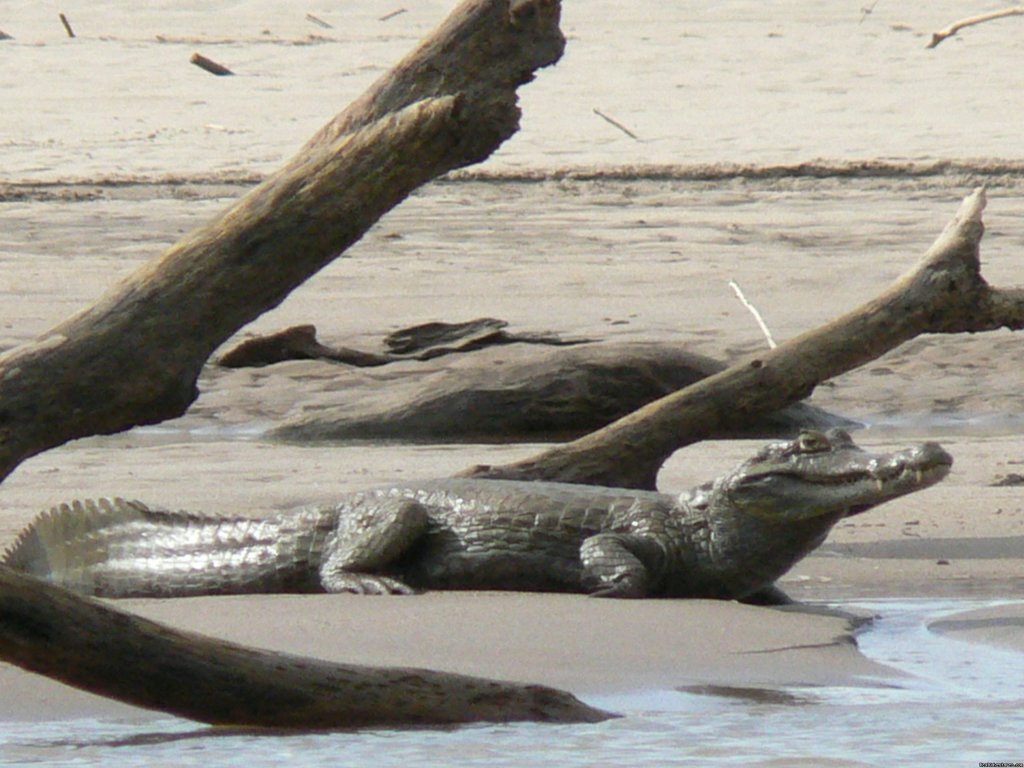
368,539
620,564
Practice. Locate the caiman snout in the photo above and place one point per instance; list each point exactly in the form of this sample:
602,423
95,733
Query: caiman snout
926,464
935,454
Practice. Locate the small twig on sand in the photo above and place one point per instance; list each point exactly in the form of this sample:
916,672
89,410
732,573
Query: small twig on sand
616,123
318,21
388,16
209,65
866,11
67,25
956,26
753,310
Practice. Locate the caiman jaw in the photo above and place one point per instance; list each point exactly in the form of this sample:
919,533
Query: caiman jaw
827,475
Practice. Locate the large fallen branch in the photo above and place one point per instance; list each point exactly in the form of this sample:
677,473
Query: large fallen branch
86,644
945,293
520,395
134,357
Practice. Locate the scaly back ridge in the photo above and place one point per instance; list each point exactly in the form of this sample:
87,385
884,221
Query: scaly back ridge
63,544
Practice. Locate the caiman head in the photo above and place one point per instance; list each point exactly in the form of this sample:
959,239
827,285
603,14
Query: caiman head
825,475
777,506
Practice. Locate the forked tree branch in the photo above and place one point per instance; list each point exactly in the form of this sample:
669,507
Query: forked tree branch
944,293
135,356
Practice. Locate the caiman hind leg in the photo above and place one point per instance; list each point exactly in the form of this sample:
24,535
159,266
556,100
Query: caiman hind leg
366,540
620,565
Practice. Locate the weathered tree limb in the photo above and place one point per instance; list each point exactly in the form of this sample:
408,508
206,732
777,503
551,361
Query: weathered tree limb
552,396
952,29
89,645
944,293
134,357
484,50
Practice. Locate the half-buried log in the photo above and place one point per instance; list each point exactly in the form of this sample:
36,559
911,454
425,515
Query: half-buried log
522,392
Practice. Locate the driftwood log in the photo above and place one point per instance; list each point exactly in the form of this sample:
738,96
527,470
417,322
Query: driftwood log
87,644
528,391
944,293
519,393
135,356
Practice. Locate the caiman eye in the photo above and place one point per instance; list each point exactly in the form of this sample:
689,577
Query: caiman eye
812,442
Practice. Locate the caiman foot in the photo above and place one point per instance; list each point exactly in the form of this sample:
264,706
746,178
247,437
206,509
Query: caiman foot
368,538
365,584
615,565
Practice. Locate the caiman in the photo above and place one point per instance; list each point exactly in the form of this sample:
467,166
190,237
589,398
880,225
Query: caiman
729,539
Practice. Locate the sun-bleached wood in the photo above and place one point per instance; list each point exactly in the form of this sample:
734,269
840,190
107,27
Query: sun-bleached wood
944,293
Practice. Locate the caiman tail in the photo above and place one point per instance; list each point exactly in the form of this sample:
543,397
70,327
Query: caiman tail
121,548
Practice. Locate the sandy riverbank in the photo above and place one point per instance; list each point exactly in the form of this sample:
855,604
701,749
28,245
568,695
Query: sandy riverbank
591,647
627,259
616,260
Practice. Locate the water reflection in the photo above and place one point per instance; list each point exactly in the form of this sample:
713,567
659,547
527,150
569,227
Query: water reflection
745,695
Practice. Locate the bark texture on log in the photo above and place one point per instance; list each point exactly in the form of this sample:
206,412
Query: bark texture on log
516,393
84,643
134,357
944,293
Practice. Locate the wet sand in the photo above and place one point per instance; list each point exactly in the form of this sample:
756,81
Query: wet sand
618,257
1000,625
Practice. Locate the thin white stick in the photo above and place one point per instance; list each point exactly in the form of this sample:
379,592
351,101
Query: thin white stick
952,29
318,21
753,310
